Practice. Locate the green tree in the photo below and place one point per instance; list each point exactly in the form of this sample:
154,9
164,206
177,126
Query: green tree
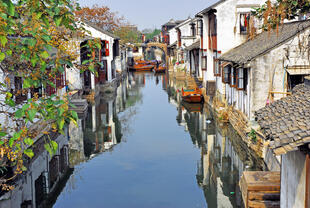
151,35
35,39
128,34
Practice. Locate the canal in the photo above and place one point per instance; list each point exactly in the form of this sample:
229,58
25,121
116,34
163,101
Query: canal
143,147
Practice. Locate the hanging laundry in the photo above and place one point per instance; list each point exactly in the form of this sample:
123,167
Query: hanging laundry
242,20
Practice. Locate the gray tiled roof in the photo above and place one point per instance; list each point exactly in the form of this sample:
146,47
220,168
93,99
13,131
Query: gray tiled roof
264,42
193,46
286,122
210,7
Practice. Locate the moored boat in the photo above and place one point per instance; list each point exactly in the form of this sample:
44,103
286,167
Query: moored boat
142,67
192,95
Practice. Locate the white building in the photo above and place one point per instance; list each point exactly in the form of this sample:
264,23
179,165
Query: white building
266,68
225,26
108,57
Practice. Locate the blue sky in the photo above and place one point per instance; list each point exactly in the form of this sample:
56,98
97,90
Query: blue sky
151,14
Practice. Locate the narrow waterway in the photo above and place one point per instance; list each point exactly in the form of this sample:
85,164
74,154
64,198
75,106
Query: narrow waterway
144,148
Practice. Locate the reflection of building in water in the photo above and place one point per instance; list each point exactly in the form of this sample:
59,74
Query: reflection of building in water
223,159
76,142
103,129
224,156
45,178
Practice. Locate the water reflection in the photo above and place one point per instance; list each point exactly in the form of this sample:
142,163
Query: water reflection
173,155
224,156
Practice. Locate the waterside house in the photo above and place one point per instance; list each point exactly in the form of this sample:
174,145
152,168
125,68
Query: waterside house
265,68
224,25
285,123
109,56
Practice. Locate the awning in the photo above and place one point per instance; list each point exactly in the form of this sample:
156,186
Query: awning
298,70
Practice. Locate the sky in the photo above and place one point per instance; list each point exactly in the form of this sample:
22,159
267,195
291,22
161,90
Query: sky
152,13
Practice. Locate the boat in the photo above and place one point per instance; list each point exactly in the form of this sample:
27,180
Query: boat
143,67
192,95
160,69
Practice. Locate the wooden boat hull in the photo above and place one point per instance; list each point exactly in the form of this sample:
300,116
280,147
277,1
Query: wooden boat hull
193,98
143,68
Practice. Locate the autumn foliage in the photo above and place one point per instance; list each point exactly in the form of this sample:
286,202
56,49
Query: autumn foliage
102,16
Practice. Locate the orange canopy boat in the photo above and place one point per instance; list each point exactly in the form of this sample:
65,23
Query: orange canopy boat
192,96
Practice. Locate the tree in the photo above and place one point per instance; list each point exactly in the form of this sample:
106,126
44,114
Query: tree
102,16
128,34
274,13
150,36
35,39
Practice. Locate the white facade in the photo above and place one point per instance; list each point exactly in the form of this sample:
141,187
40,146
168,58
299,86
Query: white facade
74,79
227,32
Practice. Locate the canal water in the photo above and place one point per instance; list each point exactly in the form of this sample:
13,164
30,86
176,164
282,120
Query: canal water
143,147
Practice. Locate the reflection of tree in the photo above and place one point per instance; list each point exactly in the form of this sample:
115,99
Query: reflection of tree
126,119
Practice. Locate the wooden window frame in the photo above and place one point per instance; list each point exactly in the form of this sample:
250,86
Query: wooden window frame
233,77
216,63
240,78
206,63
229,73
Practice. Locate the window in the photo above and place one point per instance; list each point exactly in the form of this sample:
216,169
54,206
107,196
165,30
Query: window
226,74
216,64
233,77
193,29
204,62
244,23
242,79
217,71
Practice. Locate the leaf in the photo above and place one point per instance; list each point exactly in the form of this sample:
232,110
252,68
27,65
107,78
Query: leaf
3,40
61,124
11,8
4,16
11,142
57,20
29,153
19,113
54,146
47,38
44,54
48,148
74,115
45,20
60,111
85,62
10,102
28,141
2,134
27,83
2,56
32,114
